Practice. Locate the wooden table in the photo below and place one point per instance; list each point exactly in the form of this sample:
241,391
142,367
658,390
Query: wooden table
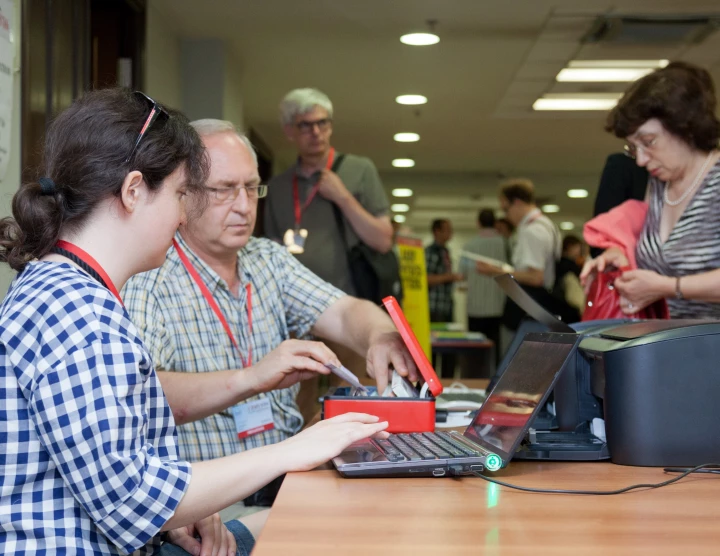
321,513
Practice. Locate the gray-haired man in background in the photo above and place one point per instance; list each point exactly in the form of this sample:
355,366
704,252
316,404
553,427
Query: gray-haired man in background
326,202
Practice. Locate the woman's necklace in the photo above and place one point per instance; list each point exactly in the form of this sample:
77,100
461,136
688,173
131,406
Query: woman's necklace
690,189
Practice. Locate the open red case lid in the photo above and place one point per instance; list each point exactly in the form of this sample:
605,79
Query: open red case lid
418,355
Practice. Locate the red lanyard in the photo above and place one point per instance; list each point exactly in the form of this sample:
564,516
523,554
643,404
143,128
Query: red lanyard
86,258
296,194
214,306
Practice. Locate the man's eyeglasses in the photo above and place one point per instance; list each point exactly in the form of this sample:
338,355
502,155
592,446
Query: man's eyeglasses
157,113
307,127
229,194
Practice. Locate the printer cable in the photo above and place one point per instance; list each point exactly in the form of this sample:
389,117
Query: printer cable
704,468
715,470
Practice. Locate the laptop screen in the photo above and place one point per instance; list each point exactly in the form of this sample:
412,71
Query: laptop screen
515,292
504,418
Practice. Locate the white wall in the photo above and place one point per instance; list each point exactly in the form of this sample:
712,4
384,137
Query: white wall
10,183
172,66
162,60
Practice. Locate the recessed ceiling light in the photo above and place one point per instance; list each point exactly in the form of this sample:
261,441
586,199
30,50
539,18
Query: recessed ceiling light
550,208
406,137
402,192
399,207
577,101
411,99
567,226
403,163
577,193
399,218
420,39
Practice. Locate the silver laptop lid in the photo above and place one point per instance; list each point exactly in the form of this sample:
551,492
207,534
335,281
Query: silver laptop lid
504,418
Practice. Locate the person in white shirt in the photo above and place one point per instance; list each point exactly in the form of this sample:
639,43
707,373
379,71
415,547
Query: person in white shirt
537,248
485,299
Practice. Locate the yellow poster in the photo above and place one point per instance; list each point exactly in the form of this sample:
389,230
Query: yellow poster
415,288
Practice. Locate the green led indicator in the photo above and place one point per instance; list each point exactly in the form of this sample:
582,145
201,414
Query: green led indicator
493,462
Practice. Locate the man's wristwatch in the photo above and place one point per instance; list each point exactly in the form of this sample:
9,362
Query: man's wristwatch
678,291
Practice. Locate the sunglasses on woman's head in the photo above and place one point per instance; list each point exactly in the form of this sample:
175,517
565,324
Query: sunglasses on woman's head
157,113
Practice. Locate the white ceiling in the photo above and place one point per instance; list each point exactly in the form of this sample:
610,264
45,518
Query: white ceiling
494,59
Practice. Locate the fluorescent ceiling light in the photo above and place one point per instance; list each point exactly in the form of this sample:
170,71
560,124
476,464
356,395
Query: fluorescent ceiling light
406,137
567,226
402,192
420,39
399,207
577,101
399,218
577,193
403,163
607,71
601,75
411,99
652,64
550,208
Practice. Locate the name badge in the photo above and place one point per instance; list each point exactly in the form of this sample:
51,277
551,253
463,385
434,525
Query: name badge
253,417
294,240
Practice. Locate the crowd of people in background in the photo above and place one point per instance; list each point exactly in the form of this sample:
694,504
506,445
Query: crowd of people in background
671,162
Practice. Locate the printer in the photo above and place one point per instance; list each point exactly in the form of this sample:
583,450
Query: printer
656,384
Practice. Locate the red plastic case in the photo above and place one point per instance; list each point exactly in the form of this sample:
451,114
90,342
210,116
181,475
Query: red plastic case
403,414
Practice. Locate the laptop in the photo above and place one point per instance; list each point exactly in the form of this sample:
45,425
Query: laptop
574,408
493,436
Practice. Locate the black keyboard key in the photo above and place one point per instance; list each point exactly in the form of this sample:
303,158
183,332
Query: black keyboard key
447,446
391,453
439,451
415,445
459,445
403,448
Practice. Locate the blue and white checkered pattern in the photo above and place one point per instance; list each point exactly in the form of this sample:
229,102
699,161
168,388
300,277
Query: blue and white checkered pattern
183,334
88,456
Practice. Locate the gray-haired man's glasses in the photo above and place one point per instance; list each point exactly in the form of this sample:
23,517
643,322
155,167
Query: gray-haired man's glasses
229,194
307,127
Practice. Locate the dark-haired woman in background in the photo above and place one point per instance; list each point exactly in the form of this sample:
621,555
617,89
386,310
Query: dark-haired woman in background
89,459
668,120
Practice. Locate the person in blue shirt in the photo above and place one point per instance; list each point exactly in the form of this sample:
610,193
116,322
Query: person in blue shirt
88,449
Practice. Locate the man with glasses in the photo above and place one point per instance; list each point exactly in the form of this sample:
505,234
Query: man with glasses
326,202
218,315
538,247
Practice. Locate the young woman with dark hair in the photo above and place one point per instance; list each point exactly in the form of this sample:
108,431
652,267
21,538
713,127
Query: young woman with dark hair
89,461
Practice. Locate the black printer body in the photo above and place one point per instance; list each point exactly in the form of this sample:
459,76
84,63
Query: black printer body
656,383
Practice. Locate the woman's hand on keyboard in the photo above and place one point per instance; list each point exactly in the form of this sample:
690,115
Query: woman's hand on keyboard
327,439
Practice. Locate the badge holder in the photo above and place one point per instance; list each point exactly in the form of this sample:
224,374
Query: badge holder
294,240
411,408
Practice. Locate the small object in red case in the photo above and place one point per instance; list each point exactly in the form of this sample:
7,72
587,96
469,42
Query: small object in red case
402,414
345,374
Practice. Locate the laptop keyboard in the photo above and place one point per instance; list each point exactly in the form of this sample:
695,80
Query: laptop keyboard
423,446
